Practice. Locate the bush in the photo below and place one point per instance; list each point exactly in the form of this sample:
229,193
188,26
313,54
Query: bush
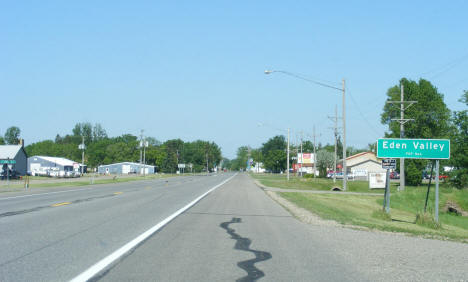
413,175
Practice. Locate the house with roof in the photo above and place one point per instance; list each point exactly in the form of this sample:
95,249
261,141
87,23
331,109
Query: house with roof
359,165
16,153
53,166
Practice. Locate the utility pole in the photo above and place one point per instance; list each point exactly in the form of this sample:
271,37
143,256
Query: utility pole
141,149
82,147
287,164
302,155
402,122
335,132
145,144
345,168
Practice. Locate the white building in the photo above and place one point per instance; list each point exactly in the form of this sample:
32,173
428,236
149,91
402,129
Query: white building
53,166
361,164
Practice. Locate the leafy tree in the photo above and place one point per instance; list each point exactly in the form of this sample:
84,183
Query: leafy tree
240,162
413,174
275,160
2,141
276,143
99,132
325,160
12,135
459,146
307,147
84,129
430,114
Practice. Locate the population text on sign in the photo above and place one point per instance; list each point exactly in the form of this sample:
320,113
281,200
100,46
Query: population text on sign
413,148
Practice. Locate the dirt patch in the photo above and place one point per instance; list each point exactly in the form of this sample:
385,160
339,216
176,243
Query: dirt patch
454,208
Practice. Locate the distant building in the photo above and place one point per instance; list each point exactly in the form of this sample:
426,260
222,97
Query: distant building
17,153
257,168
361,164
54,166
126,168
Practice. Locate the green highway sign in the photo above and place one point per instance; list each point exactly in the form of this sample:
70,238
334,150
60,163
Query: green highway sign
7,161
413,148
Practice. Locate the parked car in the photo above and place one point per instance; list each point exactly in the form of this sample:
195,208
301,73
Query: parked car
394,175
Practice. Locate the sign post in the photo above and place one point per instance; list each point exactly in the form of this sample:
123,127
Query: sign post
387,164
436,149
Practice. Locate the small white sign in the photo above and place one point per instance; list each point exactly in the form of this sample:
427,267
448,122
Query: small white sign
377,180
181,165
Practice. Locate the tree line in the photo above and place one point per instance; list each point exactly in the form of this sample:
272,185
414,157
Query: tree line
101,149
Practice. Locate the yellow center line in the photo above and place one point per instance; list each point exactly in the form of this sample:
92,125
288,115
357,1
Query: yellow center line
118,193
60,204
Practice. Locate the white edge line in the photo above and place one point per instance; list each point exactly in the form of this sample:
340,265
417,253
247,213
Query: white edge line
102,264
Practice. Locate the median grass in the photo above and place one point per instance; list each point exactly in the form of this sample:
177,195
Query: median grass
83,181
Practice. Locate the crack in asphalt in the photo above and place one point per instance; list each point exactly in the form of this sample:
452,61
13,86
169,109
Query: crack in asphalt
243,244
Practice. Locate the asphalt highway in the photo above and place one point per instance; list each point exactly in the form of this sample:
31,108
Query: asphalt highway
234,233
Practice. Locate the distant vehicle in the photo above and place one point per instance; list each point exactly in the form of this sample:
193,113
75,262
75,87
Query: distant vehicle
394,175
339,175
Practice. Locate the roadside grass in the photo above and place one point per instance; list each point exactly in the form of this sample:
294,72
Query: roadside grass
366,211
302,183
87,180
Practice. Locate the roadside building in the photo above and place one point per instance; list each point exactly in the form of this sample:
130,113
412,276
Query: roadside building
257,168
54,167
126,168
360,165
18,155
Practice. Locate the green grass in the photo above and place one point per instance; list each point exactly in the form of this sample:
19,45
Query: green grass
86,181
366,211
301,183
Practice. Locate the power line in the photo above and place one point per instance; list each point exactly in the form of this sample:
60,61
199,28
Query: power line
362,115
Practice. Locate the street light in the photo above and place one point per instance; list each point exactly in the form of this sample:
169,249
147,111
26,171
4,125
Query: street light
345,177
287,162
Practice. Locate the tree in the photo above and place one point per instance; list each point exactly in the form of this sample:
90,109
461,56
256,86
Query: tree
12,135
307,147
459,146
240,162
84,129
99,132
325,160
431,115
275,161
276,143
2,141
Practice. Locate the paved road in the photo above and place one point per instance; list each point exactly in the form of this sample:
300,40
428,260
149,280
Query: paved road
56,234
235,233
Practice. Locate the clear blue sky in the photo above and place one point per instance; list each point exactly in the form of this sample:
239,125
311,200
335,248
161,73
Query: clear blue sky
194,69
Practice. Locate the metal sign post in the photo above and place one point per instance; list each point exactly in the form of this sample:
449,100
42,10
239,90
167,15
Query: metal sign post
437,193
387,164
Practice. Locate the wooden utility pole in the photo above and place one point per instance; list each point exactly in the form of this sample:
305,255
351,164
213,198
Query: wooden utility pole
402,122
335,132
